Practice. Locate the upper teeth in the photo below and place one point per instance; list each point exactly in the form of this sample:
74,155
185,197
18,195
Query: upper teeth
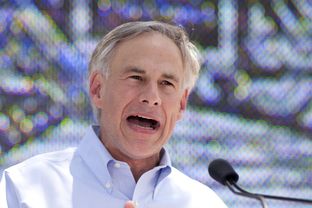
143,117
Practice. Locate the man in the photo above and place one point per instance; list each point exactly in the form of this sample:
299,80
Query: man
140,76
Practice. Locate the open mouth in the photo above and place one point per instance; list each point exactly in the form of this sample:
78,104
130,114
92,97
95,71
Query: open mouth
142,122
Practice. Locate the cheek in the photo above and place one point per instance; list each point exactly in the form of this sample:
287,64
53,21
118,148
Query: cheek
116,100
168,129
173,110
173,105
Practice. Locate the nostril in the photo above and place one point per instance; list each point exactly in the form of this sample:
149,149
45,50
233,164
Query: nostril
151,102
147,102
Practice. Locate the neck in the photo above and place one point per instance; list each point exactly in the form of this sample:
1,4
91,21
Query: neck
139,167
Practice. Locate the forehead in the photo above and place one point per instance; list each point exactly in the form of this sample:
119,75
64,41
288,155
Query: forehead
150,50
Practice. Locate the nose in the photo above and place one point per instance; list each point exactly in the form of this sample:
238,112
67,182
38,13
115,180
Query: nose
150,95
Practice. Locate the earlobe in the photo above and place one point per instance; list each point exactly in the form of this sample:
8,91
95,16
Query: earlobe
96,82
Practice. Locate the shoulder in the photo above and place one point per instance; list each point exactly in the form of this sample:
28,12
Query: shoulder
43,175
42,161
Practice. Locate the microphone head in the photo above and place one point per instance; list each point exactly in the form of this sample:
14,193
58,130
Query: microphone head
222,171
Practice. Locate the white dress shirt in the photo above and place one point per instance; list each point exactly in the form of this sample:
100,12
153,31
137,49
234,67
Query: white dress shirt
88,177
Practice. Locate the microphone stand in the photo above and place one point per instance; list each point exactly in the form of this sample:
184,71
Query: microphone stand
222,171
274,197
242,192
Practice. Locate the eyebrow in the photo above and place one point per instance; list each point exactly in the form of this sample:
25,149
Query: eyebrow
171,77
134,69
141,71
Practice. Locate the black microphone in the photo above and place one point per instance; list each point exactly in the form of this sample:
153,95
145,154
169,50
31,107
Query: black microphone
222,171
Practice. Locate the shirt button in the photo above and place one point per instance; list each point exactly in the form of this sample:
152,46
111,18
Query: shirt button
108,185
117,165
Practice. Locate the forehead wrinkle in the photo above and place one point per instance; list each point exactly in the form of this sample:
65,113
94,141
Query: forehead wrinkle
135,69
164,75
142,71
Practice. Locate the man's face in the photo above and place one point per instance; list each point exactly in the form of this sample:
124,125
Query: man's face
142,97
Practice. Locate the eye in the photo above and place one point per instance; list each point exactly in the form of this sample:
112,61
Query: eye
166,83
136,77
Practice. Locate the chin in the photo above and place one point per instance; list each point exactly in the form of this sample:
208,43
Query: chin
140,155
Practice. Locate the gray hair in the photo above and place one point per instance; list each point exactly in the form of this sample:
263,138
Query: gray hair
100,58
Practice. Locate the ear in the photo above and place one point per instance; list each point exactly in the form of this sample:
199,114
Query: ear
183,103
96,85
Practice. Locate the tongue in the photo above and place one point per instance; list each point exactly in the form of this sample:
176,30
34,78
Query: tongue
140,122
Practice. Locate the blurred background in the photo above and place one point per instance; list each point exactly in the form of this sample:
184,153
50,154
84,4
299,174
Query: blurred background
252,104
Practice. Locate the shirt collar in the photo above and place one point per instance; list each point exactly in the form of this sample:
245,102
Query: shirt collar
97,157
94,154
164,158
